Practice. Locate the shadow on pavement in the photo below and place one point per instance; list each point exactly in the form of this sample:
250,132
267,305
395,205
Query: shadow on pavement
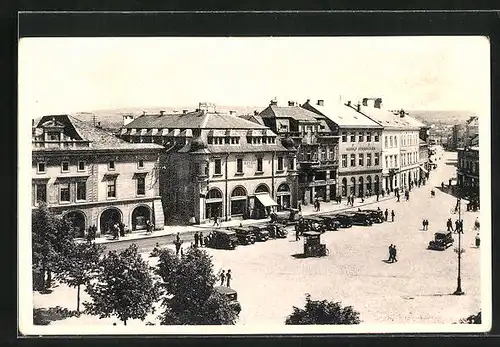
387,261
43,316
299,256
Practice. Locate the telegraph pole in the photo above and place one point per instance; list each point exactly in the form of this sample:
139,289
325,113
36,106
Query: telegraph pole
459,251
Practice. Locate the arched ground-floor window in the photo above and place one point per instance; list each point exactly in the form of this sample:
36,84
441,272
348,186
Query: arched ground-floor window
140,215
77,221
109,217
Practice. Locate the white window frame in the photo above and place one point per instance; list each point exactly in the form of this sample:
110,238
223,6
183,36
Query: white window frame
109,165
62,166
78,166
44,167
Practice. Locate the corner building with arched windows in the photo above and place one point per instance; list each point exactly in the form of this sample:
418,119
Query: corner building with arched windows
218,165
93,178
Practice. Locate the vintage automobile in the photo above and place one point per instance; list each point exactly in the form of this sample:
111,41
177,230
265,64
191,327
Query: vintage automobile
287,217
232,296
245,235
276,230
344,219
361,218
377,216
312,244
221,239
261,233
441,241
314,224
331,222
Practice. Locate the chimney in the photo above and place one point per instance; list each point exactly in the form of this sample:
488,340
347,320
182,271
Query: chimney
377,103
321,102
358,107
308,100
98,124
162,112
365,101
401,113
32,122
232,113
255,112
143,113
184,111
291,103
274,102
348,103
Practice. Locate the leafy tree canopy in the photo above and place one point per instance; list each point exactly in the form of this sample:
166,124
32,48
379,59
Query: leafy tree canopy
320,312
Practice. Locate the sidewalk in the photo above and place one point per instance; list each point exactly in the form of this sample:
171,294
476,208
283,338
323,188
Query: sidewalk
307,210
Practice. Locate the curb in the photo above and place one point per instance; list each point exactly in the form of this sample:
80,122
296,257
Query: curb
195,227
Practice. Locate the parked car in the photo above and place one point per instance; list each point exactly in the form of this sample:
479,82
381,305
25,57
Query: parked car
377,216
361,218
231,295
441,241
221,239
276,230
245,235
261,233
331,222
286,217
315,224
345,219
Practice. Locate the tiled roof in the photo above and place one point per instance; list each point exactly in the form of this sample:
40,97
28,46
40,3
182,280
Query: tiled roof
342,115
246,148
100,139
252,118
389,119
294,112
193,120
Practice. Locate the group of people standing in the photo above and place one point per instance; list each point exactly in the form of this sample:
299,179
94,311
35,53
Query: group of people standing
316,205
386,215
425,224
117,230
392,254
459,225
225,277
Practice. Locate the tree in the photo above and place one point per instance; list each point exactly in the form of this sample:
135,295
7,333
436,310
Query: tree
79,266
189,294
52,237
472,319
322,312
123,287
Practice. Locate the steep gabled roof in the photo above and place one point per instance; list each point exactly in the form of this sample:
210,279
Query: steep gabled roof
342,115
294,112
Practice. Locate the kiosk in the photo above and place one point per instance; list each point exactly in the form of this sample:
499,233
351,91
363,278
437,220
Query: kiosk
312,244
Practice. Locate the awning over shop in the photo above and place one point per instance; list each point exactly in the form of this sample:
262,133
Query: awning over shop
424,170
266,200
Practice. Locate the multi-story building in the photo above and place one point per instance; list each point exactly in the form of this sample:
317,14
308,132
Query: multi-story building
218,164
468,171
359,149
400,147
93,178
317,147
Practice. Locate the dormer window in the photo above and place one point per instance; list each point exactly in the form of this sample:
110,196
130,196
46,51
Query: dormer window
111,165
53,136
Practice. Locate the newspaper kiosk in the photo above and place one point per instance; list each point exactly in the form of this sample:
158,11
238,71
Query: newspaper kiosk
312,244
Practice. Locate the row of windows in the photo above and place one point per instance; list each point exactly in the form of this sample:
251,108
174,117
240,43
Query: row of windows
223,140
42,166
406,140
469,165
409,158
260,139
259,165
361,159
81,190
361,137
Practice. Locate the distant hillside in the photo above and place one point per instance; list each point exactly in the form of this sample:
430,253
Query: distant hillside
441,117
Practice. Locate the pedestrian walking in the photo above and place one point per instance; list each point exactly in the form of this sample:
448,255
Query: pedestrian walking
228,278
392,215
394,253
352,200
178,237
397,196
449,183
89,234
476,224
386,214
177,244
377,196
121,227
300,207
442,185
348,200
318,204
222,277
423,224
478,240
216,221
390,252
297,232
426,224
449,225
201,239
116,232
196,239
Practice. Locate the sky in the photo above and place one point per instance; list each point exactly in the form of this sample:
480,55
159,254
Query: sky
65,75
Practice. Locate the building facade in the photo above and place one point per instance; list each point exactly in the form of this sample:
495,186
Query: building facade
93,178
218,165
317,148
359,147
468,172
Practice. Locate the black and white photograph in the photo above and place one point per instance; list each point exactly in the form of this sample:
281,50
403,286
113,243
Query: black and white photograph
254,185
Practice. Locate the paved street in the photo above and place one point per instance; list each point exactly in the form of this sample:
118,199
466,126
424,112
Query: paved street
416,289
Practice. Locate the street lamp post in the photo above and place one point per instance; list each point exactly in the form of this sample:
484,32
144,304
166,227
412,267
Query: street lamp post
459,251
